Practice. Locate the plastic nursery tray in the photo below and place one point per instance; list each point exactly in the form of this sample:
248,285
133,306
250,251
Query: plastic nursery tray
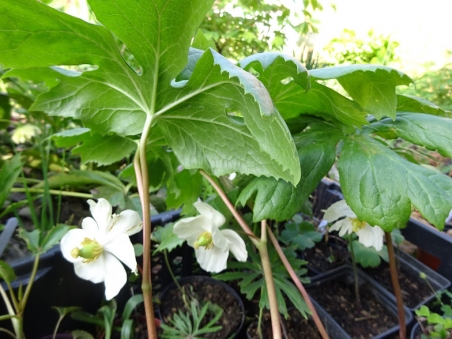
435,280
437,244
429,239
387,299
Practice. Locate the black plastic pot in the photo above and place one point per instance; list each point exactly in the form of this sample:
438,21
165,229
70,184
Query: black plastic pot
345,274
56,284
332,328
204,282
416,331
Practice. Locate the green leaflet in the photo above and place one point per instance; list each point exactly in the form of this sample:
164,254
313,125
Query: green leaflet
279,200
195,113
430,131
371,86
288,83
381,187
408,103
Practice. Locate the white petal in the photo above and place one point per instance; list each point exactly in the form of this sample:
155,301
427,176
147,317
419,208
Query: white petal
94,271
371,236
216,218
115,277
101,212
90,225
236,244
219,240
344,226
127,222
212,260
337,210
72,239
122,248
191,228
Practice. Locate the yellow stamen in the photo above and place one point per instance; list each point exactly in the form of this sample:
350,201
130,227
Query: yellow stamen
205,239
90,250
357,224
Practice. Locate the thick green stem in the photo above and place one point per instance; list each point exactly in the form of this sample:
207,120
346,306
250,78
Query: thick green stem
141,171
396,285
355,272
299,285
55,192
268,276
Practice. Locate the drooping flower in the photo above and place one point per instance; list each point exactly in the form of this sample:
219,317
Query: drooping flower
211,244
98,248
367,235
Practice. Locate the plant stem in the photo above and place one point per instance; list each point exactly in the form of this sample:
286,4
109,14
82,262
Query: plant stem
299,285
268,276
355,273
261,245
396,285
11,312
229,205
55,192
141,171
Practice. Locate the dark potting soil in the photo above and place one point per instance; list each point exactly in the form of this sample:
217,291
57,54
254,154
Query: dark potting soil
295,327
325,256
338,299
230,319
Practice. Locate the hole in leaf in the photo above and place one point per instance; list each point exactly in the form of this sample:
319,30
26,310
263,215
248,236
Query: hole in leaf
287,80
254,72
235,116
128,57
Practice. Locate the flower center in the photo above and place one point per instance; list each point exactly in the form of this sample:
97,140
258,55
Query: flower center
205,239
357,225
90,250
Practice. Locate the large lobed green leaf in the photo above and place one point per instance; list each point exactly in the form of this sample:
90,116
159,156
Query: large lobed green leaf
381,187
196,113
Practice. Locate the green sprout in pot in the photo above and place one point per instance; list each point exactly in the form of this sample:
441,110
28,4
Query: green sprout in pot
191,324
436,325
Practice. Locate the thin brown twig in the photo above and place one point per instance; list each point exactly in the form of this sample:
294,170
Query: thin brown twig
299,285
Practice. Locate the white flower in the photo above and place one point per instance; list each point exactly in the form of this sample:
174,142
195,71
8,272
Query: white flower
449,218
368,235
24,133
211,244
98,247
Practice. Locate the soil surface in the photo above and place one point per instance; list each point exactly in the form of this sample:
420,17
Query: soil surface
338,298
325,256
231,318
293,328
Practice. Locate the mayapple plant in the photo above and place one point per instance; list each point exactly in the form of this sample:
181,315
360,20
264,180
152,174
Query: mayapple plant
267,117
